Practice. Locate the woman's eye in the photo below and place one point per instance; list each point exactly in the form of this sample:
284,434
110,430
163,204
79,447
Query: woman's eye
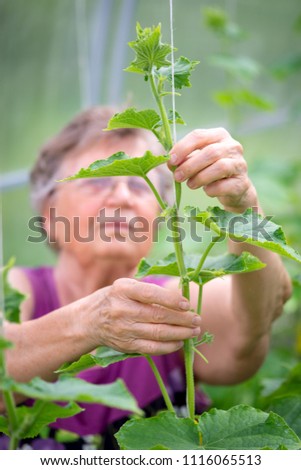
97,184
138,185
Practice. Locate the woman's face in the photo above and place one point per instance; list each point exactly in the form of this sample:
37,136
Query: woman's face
104,218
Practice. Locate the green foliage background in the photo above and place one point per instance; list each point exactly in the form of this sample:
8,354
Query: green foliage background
40,92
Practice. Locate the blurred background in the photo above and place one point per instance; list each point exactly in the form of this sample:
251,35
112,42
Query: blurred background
60,56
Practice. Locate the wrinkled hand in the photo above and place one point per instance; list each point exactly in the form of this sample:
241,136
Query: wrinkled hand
140,317
213,160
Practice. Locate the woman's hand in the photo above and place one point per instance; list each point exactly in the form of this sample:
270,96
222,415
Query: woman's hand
134,316
213,160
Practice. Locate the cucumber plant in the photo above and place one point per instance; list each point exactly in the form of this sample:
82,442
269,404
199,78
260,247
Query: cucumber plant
241,427
23,422
239,72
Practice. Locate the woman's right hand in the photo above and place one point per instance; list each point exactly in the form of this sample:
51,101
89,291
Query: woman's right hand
134,316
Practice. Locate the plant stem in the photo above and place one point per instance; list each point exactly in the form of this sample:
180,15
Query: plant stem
168,137
180,255
10,406
167,143
190,391
162,204
178,193
200,296
188,344
197,351
161,384
196,272
203,259
156,134
27,423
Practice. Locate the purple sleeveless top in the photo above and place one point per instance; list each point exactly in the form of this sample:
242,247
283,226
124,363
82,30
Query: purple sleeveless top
135,372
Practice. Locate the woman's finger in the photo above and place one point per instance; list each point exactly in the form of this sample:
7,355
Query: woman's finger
231,187
162,332
200,159
221,169
141,313
147,293
197,139
156,348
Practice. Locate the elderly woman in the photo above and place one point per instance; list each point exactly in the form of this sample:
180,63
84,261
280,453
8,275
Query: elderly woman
90,297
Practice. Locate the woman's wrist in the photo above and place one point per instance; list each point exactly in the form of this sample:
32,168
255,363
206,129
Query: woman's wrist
247,200
88,327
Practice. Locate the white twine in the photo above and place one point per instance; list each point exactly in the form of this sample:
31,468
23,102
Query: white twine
174,131
82,54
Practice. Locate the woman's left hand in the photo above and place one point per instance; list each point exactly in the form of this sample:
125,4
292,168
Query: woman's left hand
213,160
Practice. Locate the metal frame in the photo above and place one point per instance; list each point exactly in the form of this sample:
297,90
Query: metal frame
91,62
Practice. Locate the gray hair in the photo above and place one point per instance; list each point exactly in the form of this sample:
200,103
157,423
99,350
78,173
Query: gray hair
84,131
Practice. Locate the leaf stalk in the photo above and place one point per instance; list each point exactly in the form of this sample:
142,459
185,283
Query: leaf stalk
161,384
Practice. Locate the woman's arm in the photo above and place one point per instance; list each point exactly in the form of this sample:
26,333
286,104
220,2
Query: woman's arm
238,310
129,316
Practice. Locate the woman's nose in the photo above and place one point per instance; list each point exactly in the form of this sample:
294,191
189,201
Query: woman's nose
120,192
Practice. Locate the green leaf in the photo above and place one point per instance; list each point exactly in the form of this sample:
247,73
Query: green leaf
222,265
289,408
66,389
85,362
244,427
215,18
10,305
103,357
182,71
166,267
120,164
179,119
249,227
159,447
214,266
297,280
4,425
230,98
207,338
62,435
150,51
146,119
253,99
290,385
5,344
162,431
241,427
287,67
297,24
243,68
33,419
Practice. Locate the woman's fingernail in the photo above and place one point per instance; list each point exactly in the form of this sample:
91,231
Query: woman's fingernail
196,321
184,305
173,159
179,175
196,331
191,184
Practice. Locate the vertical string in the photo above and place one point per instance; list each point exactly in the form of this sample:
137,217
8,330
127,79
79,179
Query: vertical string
82,55
173,96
